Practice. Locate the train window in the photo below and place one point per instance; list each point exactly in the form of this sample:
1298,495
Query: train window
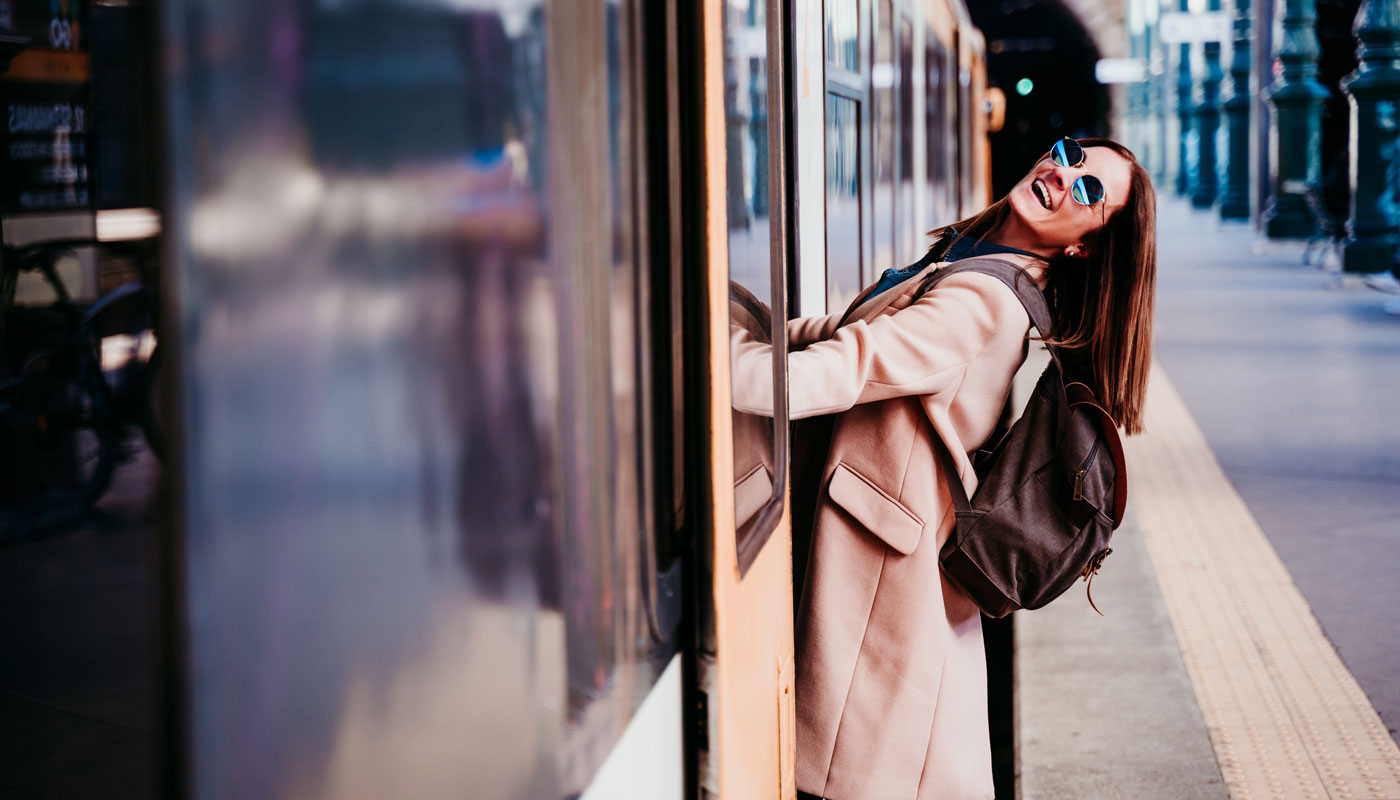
882,97
843,243
952,142
937,133
753,194
933,125
847,117
843,34
908,237
966,179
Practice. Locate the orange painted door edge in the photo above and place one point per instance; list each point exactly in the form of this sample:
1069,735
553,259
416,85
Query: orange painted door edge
752,734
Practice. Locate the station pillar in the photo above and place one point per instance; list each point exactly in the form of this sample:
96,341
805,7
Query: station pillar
1234,199
1184,181
1207,114
1297,98
1373,231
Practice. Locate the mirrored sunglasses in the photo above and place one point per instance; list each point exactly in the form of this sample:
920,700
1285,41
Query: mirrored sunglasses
1086,189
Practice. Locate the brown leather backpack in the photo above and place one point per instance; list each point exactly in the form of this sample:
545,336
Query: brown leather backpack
1051,491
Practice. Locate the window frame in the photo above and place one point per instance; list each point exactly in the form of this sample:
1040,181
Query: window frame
753,534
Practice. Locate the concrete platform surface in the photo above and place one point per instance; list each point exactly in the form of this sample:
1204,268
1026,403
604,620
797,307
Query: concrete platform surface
1104,707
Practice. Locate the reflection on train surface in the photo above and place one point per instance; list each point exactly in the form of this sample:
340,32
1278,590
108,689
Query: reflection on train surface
431,308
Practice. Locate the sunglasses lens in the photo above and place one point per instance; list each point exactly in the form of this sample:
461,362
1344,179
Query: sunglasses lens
1086,190
1067,153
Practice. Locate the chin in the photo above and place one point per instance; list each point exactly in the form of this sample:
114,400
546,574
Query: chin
1022,204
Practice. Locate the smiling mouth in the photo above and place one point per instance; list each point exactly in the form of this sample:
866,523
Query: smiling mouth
1042,193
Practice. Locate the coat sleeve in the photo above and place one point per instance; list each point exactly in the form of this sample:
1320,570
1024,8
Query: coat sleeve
922,349
805,331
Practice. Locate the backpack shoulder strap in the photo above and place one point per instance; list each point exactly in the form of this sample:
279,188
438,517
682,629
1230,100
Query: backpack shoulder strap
1015,278
956,490
1032,299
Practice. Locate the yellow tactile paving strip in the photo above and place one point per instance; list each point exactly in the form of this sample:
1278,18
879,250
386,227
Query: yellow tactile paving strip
1285,715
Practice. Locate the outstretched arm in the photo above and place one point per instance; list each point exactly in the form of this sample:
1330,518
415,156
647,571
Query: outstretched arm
805,331
922,349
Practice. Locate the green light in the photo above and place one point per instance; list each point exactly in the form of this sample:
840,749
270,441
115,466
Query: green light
1024,86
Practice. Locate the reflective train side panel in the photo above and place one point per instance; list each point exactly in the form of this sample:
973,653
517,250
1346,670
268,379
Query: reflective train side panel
427,541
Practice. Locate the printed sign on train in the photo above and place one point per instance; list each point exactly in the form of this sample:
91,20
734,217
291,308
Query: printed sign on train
52,24
47,145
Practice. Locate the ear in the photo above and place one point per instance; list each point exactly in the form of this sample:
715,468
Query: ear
1077,250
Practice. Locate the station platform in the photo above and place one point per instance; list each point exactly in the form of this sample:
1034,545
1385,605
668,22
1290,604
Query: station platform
1248,647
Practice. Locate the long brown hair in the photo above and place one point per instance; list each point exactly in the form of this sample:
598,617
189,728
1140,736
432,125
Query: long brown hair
1102,304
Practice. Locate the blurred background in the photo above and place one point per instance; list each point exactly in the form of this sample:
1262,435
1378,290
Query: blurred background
356,428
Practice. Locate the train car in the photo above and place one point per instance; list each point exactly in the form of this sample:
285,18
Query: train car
454,500
886,129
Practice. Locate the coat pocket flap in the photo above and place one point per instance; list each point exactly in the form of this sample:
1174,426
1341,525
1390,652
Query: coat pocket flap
881,514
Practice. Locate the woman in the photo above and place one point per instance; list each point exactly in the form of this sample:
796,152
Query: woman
891,680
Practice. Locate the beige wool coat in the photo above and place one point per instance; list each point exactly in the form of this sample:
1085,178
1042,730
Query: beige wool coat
891,675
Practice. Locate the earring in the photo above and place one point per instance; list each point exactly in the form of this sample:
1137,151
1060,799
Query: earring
1071,252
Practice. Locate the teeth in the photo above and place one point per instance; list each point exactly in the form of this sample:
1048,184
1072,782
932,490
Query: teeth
1043,192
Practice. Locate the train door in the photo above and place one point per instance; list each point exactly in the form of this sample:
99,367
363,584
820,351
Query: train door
745,664
431,503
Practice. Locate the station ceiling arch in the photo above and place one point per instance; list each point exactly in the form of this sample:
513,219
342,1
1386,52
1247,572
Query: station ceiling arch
1106,21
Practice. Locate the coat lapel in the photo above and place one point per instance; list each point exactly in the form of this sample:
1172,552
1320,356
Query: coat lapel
882,301
869,308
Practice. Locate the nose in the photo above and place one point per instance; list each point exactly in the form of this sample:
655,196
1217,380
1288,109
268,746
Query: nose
1062,177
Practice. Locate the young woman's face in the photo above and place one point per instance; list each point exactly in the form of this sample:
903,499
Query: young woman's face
1050,218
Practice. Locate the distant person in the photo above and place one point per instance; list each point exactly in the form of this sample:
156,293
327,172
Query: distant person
891,674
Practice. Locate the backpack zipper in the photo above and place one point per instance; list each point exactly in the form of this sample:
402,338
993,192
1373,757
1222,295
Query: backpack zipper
1083,468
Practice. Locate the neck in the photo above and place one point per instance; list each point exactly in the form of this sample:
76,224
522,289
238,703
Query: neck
1012,233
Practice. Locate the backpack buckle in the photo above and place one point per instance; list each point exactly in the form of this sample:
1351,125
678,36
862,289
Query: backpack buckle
1090,570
